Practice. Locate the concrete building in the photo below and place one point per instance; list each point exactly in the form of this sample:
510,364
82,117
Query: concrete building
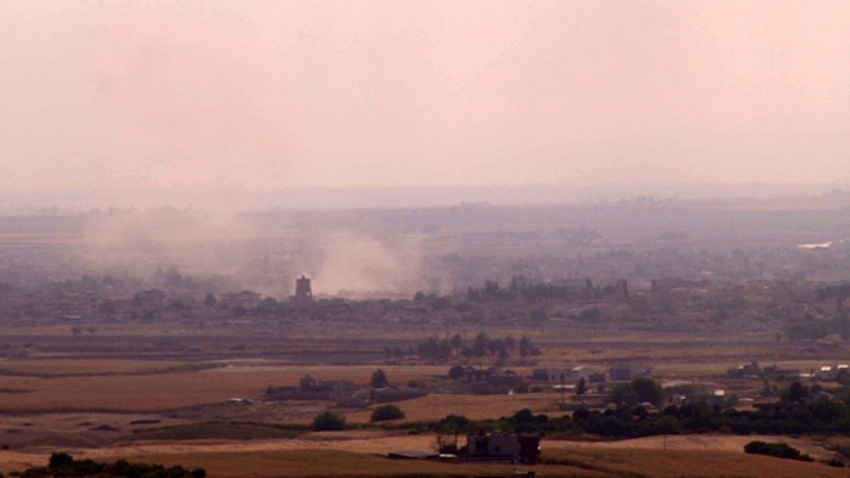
303,292
625,373
482,446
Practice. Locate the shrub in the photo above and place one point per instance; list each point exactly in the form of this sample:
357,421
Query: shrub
456,372
779,450
64,465
328,421
835,462
379,379
387,412
61,459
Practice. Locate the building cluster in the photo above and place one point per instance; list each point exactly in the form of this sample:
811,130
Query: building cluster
484,447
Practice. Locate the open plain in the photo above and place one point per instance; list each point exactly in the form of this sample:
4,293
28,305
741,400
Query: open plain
181,365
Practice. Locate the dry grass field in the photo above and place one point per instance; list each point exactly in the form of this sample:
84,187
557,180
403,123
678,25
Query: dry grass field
119,386
626,460
318,463
128,392
83,366
194,391
706,442
475,407
350,455
690,463
145,385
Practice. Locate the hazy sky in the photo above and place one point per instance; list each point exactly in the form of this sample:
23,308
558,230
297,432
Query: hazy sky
277,94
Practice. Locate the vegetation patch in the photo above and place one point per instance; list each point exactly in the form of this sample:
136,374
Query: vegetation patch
328,421
387,412
779,450
14,390
63,465
220,430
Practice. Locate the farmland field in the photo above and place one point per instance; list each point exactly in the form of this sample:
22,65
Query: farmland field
354,455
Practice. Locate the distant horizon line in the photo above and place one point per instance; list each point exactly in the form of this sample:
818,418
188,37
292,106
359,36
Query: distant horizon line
393,197
604,186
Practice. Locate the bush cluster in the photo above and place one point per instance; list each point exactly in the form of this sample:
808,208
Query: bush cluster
328,421
779,450
63,465
786,418
481,346
387,412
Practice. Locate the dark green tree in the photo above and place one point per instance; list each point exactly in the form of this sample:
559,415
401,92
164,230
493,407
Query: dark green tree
581,386
58,460
456,372
379,379
648,390
328,421
387,412
796,393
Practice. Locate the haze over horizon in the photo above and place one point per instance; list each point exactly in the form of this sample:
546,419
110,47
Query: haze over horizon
272,96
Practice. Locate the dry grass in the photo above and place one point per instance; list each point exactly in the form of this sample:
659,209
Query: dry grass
169,390
361,453
691,463
83,366
359,374
726,443
321,463
131,393
475,407
568,462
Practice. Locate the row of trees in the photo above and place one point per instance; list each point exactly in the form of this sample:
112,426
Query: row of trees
64,465
521,288
482,346
699,417
779,450
796,414
330,421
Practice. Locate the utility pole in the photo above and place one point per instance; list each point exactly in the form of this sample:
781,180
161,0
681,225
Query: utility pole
562,391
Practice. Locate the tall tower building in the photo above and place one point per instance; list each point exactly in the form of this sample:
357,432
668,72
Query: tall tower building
303,292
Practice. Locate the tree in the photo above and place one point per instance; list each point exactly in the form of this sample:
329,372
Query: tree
648,390
796,393
387,412
60,459
328,421
456,372
453,424
581,386
624,394
379,379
